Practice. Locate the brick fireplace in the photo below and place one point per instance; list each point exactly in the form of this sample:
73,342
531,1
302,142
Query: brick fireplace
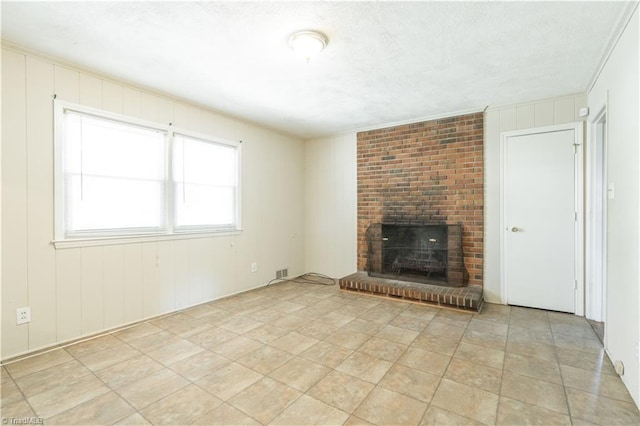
424,173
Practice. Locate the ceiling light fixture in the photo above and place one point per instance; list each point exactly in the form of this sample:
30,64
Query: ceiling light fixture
307,44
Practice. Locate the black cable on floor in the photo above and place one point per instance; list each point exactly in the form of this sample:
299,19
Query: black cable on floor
300,279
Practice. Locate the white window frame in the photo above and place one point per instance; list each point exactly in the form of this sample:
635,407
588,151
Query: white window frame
61,240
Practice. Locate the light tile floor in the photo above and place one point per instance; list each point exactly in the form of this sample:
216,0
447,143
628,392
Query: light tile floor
298,353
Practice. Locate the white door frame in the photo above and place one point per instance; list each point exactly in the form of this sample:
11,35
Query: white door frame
578,128
596,244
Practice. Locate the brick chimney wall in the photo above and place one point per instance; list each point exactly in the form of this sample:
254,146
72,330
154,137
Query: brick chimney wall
428,172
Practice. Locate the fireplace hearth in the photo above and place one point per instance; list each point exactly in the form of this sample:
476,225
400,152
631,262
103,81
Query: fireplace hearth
421,253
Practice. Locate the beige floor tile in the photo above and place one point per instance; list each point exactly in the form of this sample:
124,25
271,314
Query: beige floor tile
379,315
265,359
383,406
225,414
454,317
289,322
409,322
100,360
133,420
590,361
50,378
601,410
202,311
397,334
308,410
236,347
341,390
420,311
383,349
266,333
467,401
38,362
443,329
365,367
175,351
575,343
286,307
476,375
188,328
347,338
360,325
480,355
199,365
129,371
151,342
93,345
513,412
181,407
583,329
530,335
317,330
212,337
536,392
482,338
9,392
17,410
69,394
436,416
239,324
481,325
410,382
431,343
326,354
229,380
265,399
533,367
536,350
300,373
491,312
532,323
105,409
137,331
425,361
595,382
150,389
356,421
335,319
294,343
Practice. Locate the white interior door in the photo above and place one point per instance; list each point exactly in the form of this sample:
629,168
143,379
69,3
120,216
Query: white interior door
540,218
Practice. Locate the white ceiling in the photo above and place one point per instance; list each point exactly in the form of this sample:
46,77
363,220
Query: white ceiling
385,62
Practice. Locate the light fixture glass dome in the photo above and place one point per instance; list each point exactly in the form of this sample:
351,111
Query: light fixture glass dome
307,44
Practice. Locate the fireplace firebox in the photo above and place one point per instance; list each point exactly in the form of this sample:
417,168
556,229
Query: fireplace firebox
422,253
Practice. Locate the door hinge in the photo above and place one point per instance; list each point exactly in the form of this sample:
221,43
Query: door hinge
575,216
575,284
575,148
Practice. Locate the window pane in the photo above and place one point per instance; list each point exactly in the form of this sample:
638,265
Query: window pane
204,183
115,175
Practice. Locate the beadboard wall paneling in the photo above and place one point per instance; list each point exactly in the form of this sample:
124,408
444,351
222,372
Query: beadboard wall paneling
80,291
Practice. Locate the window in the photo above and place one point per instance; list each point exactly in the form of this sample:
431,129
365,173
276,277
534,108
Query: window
121,177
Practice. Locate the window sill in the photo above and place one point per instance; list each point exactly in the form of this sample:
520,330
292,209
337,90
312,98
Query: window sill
109,241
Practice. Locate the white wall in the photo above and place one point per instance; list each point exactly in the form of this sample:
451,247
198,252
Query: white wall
79,291
331,203
547,112
618,89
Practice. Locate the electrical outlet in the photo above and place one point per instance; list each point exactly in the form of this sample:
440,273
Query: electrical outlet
23,315
254,267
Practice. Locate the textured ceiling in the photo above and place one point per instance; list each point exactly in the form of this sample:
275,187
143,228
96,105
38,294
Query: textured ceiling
385,62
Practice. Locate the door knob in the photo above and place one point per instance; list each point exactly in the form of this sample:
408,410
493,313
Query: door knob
514,229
